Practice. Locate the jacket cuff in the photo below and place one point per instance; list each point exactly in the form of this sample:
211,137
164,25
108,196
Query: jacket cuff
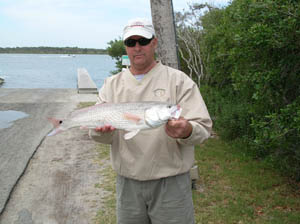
198,135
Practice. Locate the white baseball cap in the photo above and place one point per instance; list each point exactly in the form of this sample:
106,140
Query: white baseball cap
139,27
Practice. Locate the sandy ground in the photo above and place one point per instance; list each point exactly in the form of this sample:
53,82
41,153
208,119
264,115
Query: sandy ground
59,185
52,180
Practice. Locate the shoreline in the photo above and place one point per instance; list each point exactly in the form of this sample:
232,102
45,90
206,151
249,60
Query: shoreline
51,50
24,137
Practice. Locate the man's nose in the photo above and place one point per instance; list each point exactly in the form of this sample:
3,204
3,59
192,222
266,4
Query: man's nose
137,46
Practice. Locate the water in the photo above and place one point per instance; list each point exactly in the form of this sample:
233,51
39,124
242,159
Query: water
52,70
7,117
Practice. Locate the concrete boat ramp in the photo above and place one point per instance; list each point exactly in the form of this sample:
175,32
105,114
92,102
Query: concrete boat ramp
85,84
45,179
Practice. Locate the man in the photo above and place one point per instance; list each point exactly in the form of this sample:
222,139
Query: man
153,183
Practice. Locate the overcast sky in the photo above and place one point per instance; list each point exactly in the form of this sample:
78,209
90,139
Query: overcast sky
72,23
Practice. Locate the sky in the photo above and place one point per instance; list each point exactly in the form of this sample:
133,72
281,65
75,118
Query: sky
73,23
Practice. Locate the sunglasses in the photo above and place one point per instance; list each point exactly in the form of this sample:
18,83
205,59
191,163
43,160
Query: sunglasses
142,41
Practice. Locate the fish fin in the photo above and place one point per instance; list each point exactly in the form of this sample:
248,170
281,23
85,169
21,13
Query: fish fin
132,117
55,122
83,110
86,109
131,134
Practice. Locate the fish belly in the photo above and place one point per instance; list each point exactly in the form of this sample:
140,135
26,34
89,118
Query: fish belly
114,116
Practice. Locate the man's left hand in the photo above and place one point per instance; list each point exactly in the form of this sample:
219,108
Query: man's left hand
180,128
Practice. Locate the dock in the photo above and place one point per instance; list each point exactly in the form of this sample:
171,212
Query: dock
85,84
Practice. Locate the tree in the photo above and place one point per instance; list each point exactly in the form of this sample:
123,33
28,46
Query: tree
189,31
253,48
116,49
163,21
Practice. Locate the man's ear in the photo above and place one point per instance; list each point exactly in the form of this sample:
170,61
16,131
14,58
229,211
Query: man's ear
155,42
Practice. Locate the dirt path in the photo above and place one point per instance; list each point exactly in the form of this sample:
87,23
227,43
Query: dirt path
59,185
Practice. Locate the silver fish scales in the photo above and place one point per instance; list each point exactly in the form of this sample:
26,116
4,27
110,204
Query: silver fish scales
131,117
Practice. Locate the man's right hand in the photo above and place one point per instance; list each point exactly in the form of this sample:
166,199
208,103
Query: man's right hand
106,128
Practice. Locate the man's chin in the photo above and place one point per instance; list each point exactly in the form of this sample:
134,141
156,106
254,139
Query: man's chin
139,61
139,57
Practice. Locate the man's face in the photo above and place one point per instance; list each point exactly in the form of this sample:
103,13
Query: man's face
141,56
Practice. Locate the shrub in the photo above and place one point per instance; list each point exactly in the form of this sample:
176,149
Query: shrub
252,49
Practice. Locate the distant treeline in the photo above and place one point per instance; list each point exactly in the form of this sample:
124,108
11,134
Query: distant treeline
52,50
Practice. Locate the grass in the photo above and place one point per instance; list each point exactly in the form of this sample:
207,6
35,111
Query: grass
106,215
85,104
232,189
237,189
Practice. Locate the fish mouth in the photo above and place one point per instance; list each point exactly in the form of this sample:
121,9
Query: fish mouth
177,111
54,132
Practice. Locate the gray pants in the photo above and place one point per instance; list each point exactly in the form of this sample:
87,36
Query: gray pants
164,201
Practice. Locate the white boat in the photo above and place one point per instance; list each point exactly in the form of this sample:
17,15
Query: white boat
68,56
1,80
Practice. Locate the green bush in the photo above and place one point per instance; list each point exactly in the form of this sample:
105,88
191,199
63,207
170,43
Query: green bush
116,49
252,52
231,116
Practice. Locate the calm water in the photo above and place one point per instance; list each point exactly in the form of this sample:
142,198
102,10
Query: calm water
52,70
7,117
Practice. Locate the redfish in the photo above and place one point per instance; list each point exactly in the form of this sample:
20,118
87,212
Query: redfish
132,117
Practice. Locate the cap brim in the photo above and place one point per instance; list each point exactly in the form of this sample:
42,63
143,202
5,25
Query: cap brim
137,32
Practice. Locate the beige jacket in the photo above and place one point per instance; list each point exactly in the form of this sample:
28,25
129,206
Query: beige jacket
152,154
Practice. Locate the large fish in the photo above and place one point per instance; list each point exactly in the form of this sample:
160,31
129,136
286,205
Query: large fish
131,117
